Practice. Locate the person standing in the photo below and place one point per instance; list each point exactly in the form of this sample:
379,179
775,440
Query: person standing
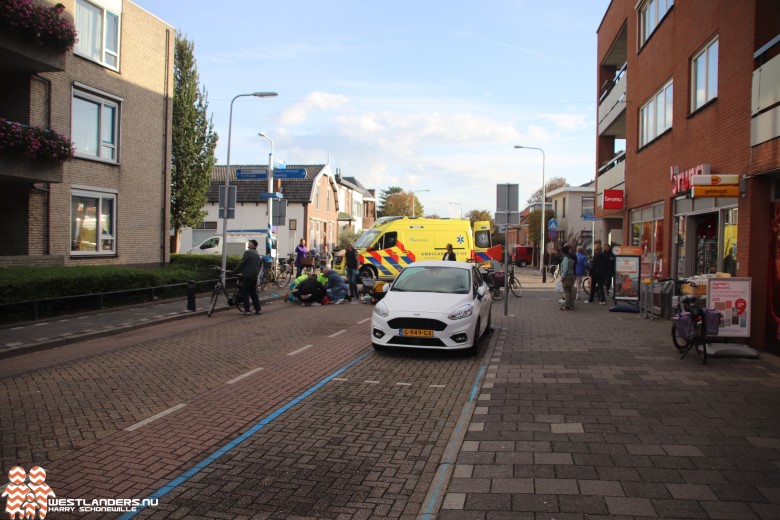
611,274
568,270
300,254
325,258
249,269
449,255
580,270
351,263
599,270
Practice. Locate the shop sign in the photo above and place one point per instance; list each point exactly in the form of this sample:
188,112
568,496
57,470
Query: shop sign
627,278
613,199
715,180
731,298
714,191
681,180
627,250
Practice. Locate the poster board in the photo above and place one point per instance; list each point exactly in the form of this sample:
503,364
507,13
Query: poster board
731,298
627,271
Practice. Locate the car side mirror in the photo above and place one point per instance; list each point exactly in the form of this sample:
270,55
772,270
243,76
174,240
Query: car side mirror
481,291
386,287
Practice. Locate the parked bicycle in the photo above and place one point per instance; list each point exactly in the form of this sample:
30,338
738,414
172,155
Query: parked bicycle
496,282
279,275
692,325
219,288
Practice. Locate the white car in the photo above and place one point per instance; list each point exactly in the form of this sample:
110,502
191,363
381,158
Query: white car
435,305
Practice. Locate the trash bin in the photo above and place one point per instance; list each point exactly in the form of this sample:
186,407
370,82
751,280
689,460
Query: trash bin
191,295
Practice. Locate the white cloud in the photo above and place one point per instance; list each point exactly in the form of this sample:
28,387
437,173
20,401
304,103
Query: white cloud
569,121
299,112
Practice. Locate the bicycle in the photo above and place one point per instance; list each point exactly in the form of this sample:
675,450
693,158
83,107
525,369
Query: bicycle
219,288
279,275
692,326
495,281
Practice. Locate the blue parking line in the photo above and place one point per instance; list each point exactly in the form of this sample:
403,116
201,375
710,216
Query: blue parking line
197,468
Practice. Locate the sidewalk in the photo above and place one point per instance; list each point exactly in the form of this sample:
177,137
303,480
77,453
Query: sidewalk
587,413
62,330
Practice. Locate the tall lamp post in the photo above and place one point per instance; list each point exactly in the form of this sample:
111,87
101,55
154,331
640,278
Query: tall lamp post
544,210
413,199
227,177
460,208
270,194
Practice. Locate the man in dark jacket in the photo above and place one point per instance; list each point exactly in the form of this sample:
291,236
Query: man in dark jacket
249,268
599,270
611,274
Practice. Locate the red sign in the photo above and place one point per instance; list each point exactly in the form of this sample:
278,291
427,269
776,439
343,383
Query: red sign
613,199
681,180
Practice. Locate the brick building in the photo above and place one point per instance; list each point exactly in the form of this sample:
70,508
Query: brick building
689,96
111,96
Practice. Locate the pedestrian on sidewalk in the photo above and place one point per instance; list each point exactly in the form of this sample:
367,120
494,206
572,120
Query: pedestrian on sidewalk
599,270
300,254
568,270
449,255
351,262
249,269
611,275
580,270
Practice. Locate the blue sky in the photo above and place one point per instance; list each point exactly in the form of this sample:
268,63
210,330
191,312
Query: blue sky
419,94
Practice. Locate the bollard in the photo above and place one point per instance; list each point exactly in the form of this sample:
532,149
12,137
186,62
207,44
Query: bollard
191,295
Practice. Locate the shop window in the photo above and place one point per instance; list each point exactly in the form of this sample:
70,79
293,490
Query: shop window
647,231
730,241
93,223
704,76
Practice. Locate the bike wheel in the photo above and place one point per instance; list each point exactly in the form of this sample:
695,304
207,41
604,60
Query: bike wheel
283,279
680,343
516,287
586,285
498,294
237,300
213,301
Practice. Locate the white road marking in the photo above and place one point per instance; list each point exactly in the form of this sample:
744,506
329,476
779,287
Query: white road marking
371,382
340,379
363,321
299,350
337,333
404,384
40,324
155,417
242,376
436,386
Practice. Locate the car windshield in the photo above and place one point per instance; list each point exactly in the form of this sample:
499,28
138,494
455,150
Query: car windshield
433,279
366,239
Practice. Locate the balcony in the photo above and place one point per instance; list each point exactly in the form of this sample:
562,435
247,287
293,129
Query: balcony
34,36
612,106
611,176
765,102
17,54
14,169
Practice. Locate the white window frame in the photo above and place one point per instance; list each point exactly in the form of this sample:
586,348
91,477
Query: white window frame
651,14
107,8
661,104
101,196
93,96
707,53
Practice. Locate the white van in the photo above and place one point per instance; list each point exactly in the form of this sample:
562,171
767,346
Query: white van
236,244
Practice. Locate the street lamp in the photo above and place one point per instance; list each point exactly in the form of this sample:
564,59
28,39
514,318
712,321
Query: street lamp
270,193
544,208
227,177
460,207
413,199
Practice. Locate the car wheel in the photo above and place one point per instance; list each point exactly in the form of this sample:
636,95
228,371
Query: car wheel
473,350
523,263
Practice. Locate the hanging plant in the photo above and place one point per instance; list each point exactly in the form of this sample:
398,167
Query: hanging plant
38,23
33,143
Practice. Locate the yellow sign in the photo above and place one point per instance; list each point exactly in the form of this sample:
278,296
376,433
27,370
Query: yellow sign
627,250
715,191
714,180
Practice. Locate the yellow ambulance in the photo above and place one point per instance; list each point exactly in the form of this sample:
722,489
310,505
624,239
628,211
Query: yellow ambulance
392,243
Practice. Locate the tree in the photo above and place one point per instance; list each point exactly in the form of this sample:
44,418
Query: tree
552,184
400,204
193,142
535,226
392,190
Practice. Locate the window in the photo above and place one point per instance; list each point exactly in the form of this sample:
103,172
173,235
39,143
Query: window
327,200
317,197
704,72
647,231
98,30
650,15
92,223
95,126
655,116
208,224
564,208
588,206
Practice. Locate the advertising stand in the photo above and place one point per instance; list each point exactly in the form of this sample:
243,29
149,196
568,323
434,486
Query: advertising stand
627,276
731,298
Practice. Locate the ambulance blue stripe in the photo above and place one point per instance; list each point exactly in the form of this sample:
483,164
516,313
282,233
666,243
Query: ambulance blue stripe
393,263
406,259
379,266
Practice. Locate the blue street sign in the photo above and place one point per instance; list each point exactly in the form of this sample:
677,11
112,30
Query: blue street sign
274,195
252,173
588,217
552,225
290,173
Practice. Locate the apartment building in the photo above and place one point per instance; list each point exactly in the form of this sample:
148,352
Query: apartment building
110,95
575,215
316,207
688,145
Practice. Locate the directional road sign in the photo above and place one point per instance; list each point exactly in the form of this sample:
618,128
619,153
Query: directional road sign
290,173
274,195
252,173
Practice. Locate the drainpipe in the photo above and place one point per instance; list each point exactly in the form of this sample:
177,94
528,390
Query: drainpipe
165,162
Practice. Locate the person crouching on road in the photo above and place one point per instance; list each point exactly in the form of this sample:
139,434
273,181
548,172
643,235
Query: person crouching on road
336,288
309,291
249,269
568,269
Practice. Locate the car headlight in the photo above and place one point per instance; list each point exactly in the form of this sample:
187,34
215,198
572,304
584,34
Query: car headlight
381,309
464,311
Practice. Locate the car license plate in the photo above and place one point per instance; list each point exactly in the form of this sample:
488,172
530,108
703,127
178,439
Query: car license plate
418,333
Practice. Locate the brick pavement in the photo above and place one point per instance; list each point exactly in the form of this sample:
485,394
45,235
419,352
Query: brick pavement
591,414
